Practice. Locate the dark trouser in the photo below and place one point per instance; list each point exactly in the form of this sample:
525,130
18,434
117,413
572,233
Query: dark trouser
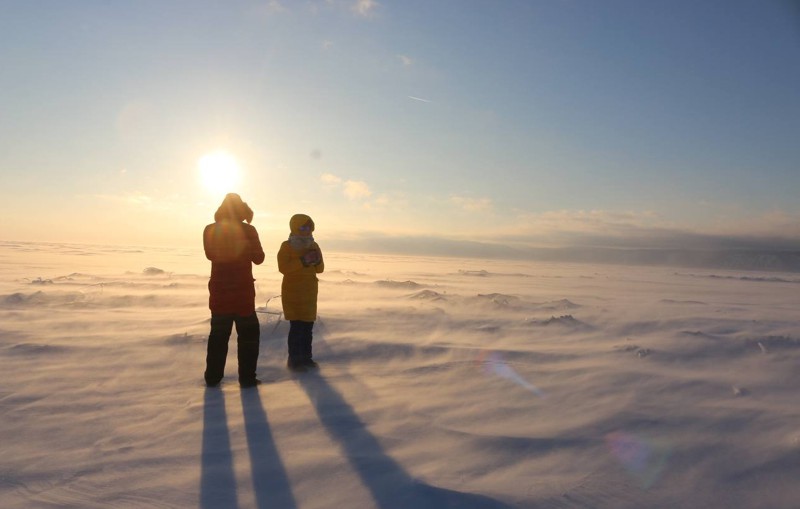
300,340
247,332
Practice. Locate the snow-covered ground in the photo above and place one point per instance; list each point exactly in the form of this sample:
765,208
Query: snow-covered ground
443,383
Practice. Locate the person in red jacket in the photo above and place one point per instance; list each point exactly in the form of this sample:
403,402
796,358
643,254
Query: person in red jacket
232,246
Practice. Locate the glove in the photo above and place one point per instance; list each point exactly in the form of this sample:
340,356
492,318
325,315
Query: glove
311,258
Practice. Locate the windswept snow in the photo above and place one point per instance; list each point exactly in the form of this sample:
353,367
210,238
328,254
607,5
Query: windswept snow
443,383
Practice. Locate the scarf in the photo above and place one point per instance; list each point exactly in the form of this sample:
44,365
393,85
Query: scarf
299,243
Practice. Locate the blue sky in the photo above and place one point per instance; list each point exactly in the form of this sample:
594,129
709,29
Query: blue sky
514,122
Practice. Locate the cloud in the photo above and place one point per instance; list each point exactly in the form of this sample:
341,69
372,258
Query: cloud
365,8
361,8
472,204
645,228
140,199
664,248
153,201
406,60
275,6
773,223
352,189
356,190
585,221
135,198
267,9
382,200
645,231
330,179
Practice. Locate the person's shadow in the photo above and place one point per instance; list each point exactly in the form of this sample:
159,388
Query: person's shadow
270,481
217,479
389,484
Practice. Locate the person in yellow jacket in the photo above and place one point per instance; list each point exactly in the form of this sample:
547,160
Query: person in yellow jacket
300,260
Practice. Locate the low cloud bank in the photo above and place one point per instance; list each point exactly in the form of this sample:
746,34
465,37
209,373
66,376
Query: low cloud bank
679,250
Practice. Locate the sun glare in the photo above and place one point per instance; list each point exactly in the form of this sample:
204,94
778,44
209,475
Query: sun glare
219,172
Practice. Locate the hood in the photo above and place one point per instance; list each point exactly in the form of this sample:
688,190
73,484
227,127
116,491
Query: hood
233,209
299,220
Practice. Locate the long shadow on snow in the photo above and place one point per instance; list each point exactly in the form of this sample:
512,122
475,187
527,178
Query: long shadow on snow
270,481
217,480
390,485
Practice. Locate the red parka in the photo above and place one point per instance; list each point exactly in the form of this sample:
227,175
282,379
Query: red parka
232,246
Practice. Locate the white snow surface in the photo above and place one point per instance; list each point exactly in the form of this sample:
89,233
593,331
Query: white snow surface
443,383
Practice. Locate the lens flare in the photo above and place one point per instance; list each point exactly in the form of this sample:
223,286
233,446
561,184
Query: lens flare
493,364
642,458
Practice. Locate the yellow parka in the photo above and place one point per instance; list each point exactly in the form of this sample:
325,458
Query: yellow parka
300,284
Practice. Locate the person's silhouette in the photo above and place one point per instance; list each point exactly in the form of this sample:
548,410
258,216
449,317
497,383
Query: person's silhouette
232,246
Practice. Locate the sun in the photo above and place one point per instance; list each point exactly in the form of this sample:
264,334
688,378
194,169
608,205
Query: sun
219,172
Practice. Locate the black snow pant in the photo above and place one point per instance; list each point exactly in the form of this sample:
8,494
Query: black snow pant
300,340
248,335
